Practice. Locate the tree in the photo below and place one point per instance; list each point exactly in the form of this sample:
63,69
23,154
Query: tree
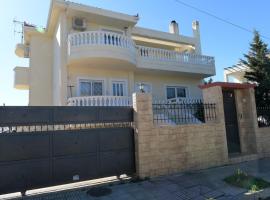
209,81
258,64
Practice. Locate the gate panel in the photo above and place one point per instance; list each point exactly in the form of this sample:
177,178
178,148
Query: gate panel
85,167
24,146
115,139
15,116
63,145
22,175
74,142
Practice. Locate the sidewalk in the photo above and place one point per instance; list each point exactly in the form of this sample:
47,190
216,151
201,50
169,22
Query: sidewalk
204,184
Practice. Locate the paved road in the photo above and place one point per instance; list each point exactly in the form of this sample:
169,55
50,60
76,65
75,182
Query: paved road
199,185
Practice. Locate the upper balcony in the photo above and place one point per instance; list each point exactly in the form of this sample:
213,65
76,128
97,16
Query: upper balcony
161,59
95,45
100,45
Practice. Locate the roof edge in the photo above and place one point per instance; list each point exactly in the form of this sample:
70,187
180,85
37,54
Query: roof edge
228,85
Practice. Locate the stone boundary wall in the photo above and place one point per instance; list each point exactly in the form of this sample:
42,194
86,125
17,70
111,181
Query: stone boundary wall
162,150
167,149
263,141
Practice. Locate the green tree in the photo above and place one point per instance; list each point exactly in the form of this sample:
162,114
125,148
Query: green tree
259,69
209,81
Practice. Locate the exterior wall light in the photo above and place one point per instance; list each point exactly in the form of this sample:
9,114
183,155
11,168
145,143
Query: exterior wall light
141,87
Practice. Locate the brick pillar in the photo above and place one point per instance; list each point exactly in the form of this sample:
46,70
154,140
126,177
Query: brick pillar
145,139
247,119
215,95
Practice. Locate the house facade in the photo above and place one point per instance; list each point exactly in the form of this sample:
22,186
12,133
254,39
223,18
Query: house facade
87,54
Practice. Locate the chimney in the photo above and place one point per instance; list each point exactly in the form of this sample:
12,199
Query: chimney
197,36
174,28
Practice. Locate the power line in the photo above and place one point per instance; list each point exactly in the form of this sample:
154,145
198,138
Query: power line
218,18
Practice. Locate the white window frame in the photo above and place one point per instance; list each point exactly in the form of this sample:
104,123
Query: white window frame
145,83
119,80
90,79
179,86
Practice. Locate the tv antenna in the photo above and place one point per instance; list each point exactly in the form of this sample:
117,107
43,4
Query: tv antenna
18,29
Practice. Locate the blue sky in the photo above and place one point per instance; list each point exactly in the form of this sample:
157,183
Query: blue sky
223,41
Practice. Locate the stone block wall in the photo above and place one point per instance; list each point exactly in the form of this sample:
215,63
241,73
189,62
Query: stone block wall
162,150
263,141
247,122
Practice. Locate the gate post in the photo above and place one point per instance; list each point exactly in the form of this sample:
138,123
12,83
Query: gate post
246,117
145,140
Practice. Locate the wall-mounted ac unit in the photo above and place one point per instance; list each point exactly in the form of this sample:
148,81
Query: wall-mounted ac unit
27,52
79,24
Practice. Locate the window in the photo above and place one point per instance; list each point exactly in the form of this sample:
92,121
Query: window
147,87
91,87
119,88
174,92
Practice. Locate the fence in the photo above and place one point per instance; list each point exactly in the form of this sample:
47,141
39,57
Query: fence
41,119
263,114
186,112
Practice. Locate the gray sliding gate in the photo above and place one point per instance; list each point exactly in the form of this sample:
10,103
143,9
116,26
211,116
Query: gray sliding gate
47,146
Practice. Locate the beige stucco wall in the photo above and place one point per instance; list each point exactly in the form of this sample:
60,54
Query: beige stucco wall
59,65
40,72
158,81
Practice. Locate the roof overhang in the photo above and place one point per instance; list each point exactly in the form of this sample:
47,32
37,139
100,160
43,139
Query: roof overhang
153,36
99,15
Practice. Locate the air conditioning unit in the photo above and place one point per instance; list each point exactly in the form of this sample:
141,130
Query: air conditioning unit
27,52
79,24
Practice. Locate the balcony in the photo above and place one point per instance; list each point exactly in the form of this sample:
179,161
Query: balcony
22,51
21,80
101,44
99,101
161,59
94,46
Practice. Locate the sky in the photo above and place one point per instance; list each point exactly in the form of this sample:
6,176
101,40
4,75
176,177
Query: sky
225,42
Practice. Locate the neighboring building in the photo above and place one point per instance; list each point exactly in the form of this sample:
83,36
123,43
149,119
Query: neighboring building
89,52
235,74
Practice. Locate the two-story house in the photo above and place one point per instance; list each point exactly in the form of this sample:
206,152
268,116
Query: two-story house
87,54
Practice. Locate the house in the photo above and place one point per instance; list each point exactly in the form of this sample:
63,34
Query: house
237,73
87,55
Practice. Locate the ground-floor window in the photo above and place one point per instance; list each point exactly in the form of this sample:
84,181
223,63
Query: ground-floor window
119,88
174,92
91,87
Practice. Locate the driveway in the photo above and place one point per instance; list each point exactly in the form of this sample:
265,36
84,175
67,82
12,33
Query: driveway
204,184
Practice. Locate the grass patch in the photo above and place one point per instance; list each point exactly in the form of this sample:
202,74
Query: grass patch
243,180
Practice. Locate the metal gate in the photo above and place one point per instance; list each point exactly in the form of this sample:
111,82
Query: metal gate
231,122
47,146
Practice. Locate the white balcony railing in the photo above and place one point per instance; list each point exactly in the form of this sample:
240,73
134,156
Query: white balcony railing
91,38
99,101
174,56
105,44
